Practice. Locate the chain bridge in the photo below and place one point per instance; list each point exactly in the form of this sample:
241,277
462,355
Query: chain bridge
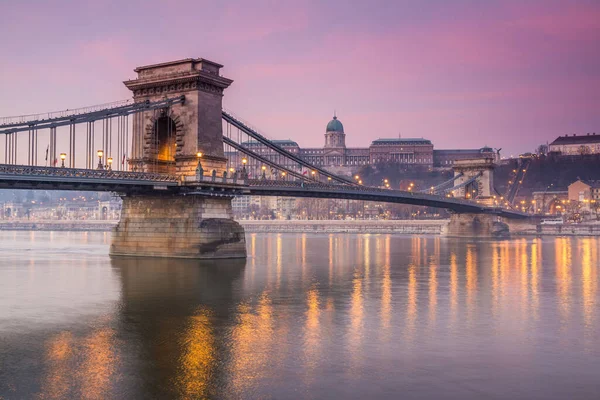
177,159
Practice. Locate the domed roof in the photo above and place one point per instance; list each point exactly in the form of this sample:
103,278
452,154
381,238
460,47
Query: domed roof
335,126
486,149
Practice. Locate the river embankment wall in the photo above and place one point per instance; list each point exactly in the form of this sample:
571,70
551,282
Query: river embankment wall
406,227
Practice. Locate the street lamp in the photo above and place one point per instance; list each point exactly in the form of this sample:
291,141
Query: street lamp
199,170
264,172
100,154
283,174
244,172
63,157
109,161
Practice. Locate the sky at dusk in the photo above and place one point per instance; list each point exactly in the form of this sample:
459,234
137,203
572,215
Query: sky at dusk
462,73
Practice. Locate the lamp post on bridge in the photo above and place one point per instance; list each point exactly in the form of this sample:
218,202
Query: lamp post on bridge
244,171
63,157
199,170
109,162
100,154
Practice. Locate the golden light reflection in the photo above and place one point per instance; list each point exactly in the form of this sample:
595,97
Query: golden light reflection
589,265
58,380
252,342
98,365
313,335
356,319
386,289
563,276
524,269
411,305
536,268
471,274
433,287
198,357
504,270
453,287
416,250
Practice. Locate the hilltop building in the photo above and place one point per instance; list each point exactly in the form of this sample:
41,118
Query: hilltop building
339,159
575,145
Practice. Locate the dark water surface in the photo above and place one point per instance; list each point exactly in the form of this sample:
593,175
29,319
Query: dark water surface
306,316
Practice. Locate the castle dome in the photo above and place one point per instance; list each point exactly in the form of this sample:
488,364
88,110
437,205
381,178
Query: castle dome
335,126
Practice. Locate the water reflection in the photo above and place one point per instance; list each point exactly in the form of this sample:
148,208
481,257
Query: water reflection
310,316
174,310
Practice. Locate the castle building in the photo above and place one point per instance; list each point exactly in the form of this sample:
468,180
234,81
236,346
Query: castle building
339,159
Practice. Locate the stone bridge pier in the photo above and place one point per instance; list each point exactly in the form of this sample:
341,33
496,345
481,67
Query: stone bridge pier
477,225
162,223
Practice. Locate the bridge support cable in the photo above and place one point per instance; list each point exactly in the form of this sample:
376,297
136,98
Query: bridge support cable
91,116
437,188
463,184
264,160
266,142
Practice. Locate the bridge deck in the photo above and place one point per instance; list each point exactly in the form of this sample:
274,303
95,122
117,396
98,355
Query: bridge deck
51,178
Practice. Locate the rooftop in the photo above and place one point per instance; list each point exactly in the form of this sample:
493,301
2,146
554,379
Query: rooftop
590,183
177,62
577,139
335,125
390,141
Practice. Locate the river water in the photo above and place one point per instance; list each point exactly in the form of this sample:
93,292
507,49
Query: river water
306,316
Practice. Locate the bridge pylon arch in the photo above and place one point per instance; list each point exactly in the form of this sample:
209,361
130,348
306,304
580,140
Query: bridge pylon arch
197,119
481,172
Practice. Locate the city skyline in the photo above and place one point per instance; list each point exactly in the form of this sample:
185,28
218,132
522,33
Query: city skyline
463,74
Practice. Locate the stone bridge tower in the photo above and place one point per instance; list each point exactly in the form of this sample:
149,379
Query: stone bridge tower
483,187
162,223
168,140
480,190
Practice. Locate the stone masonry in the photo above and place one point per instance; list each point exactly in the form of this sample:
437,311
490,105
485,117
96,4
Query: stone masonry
476,225
177,226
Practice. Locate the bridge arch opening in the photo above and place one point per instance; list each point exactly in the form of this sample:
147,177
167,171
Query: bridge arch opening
165,130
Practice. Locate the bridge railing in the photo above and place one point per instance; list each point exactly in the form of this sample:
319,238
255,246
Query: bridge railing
191,179
25,170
